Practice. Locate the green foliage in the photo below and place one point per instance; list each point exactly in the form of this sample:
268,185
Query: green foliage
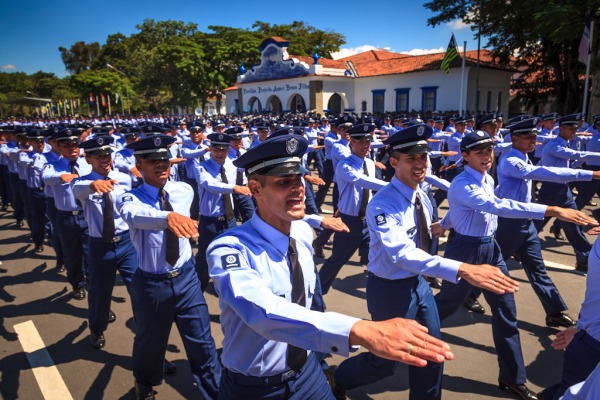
80,56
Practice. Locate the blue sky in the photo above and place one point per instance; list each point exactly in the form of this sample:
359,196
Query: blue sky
32,30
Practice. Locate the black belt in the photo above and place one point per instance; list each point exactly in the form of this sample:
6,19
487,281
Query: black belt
475,239
273,380
213,219
74,212
170,274
353,216
116,239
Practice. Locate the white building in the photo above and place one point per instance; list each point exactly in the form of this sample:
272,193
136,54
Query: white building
376,81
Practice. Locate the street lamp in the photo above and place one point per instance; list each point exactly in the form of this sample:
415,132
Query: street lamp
126,88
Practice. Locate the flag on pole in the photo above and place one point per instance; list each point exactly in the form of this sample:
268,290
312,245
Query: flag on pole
103,100
116,98
91,100
451,54
585,46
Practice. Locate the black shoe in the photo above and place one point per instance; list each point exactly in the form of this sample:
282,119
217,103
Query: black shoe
560,319
557,233
60,268
592,203
581,267
39,249
143,391
169,367
97,341
521,391
474,306
112,317
435,283
19,223
339,393
318,250
79,294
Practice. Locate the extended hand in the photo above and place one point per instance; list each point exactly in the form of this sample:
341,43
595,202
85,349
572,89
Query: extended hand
103,186
488,277
182,226
245,190
335,224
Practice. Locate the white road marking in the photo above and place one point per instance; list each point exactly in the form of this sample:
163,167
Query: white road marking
48,378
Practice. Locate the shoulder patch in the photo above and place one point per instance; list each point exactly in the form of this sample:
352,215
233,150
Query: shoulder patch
127,198
380,219
519,165
229,261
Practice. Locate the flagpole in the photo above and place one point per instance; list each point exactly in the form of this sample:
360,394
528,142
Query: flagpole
587,70
97,107
462,77
109,111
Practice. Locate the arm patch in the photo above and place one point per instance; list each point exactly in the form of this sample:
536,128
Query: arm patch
380,219
230,261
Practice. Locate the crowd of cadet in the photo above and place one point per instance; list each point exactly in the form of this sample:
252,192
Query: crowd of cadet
136,195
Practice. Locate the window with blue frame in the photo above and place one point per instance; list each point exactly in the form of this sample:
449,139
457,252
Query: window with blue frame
378,101
402,100
429,99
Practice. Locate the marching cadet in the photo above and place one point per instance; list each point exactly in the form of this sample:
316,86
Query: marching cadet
35,189
558,154
124,159
330,138
355,177
242,203
165,287
71,225
519,236
398,218
587,190
217,182
12,153
473,211
195,147
109,245
265,277
262,130
24,147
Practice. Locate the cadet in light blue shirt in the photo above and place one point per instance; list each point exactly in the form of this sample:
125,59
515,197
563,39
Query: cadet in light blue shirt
165,288
110,248
265,277
558,154
71,225
124,160
587,190
398,218
473,213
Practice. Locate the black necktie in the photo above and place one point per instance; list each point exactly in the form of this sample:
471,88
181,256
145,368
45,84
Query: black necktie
171,240
239,178
365,195
226,197
296,357
108,213
73,165
423,229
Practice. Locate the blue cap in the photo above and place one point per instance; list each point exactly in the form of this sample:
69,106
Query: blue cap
98,145
518,118
475,139
459,120
571,119
218,122
361,131
130,131
152,148
235,132
150,129
550,116
262,126
292,130
412,140
529,126
66,135
276,156
488,119
35,134
220,139
345,121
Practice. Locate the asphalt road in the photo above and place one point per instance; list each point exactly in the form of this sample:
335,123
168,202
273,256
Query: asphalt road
66,365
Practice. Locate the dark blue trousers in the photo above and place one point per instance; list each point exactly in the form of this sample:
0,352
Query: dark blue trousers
52,214
195,207
581,357
25,197
243,206
105,259
520,236
409,298
557,194
318,157
587,189
308,383
73,232
15,196
37,219
208,229
328,178
157,302
344,246
504,312
4,186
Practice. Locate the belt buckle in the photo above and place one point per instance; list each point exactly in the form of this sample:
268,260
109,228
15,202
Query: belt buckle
75,212
173,274
116,239
287,375
221,219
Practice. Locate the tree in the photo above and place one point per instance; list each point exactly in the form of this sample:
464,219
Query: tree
540,42
80,56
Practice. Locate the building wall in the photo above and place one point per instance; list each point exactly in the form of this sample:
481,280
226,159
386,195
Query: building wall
492,84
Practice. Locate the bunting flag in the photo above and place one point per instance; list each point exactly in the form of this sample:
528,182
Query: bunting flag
66,103
116,98
60,104
91,100
585,48
451,54
103,99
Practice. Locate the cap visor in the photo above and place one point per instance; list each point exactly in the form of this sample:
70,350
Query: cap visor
100,152
158,156
418,149
284,169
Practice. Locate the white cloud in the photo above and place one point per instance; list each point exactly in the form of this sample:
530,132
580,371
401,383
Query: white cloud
457,25
420,52
350,51
7,67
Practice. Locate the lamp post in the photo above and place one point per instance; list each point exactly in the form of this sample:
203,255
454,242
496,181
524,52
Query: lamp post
126,89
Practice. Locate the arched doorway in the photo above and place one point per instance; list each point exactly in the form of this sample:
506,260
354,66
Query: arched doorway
254,105
274,105
335,104
297,104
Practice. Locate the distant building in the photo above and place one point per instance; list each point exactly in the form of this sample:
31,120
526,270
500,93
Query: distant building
376,81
